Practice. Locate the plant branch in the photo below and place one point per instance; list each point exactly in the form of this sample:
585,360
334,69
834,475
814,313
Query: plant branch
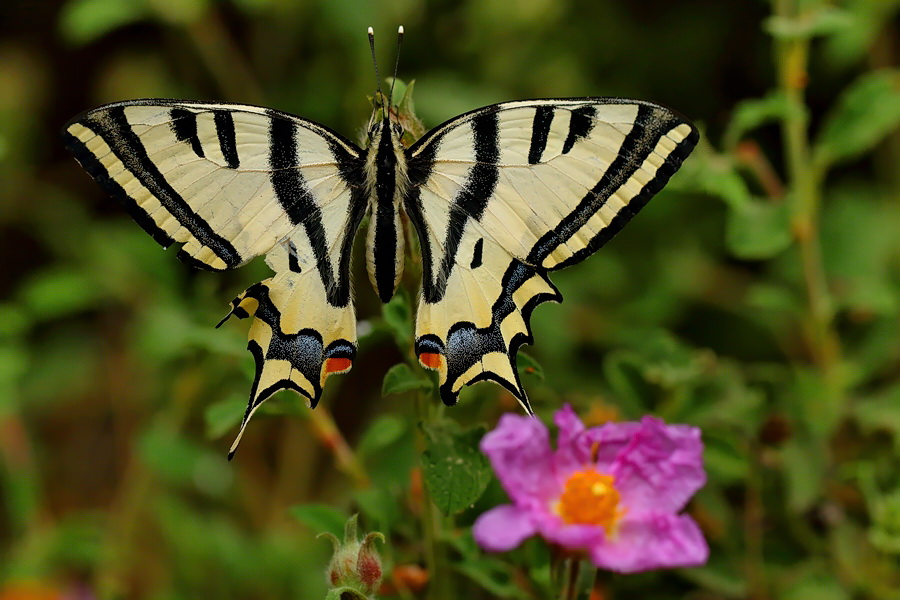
327,432
792,55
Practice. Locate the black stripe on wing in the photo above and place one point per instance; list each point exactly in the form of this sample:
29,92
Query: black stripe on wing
184,125
95,169
224,122
301,207
112,126
470,202
650,126
540,130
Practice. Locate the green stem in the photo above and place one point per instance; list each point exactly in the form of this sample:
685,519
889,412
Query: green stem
792,55
570,586
754,565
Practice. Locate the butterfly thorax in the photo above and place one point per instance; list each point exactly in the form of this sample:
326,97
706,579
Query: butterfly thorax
386,182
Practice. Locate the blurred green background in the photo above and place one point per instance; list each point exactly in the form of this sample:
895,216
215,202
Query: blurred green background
756,297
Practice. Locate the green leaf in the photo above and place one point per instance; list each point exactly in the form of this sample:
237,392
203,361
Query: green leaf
399,318
865,113
494,577
345,593
379,506
716,175
181,461
529,366
320,518
755,112
454,469
818,584
223,415
83,21
880,412
400,378
724,459
758,231
803,472
180,12
58,292
384,431
824,20
624,370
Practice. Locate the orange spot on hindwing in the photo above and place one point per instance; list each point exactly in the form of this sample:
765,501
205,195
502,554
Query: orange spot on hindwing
337,365
431,360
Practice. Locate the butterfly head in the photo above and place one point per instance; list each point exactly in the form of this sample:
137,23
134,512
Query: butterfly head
385,109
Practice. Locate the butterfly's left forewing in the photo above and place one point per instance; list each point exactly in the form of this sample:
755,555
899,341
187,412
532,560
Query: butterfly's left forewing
502,195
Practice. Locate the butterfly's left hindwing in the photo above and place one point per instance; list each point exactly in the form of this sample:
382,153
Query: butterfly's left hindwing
232,182
501,196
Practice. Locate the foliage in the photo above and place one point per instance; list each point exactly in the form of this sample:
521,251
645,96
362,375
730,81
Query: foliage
755,298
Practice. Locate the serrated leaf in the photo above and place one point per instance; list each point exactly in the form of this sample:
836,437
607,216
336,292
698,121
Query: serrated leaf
320,518
400,378
529,366
758,231
865,113
454,469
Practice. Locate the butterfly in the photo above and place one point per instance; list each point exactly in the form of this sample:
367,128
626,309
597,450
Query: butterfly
498,198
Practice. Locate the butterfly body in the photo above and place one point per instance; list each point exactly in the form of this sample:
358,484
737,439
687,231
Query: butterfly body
498,198
387,178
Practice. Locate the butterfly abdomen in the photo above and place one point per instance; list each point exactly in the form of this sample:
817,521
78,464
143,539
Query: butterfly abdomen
387,179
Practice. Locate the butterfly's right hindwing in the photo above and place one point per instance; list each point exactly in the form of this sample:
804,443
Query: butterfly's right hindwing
233,182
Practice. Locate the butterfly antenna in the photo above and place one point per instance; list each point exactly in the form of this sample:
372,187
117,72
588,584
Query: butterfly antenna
375,62
396,65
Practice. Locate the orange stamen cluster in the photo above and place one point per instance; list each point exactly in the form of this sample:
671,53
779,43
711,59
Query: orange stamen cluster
590,498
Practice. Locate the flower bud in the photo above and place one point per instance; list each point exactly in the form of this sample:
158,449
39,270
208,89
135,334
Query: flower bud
355,566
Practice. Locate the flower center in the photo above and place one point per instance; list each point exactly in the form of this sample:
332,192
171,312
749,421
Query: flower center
590,498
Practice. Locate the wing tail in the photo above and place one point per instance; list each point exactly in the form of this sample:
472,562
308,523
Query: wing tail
465,351
296,341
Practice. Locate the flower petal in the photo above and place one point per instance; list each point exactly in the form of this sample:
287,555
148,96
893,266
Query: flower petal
570,536
503,528
519,450
652,541
571,452
607,441
660,467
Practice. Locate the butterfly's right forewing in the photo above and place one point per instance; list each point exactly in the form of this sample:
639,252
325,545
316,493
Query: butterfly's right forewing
505,194
232,182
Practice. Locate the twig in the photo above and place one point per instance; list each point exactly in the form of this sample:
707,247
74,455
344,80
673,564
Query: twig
327,432
805,182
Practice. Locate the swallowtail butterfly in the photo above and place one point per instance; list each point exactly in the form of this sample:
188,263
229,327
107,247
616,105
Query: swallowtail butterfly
498,197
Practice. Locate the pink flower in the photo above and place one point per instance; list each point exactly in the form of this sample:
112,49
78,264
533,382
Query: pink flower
614,491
